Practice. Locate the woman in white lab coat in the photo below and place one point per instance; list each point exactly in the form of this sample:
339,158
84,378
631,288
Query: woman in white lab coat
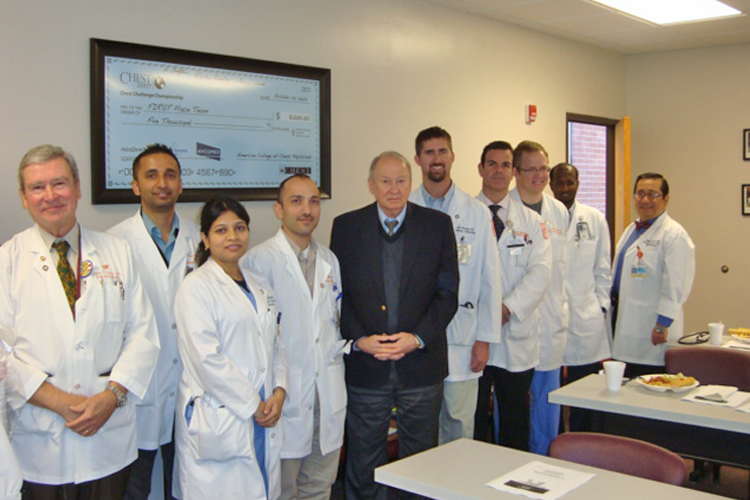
233,386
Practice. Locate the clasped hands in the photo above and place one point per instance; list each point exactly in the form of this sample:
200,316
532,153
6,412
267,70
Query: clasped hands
86,415
269,411
388,347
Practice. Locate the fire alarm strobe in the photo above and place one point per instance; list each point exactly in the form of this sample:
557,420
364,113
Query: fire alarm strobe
530,113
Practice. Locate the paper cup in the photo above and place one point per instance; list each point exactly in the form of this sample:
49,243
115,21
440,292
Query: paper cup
613,372
715,331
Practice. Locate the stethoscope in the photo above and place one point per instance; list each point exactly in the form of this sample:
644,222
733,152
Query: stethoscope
694,338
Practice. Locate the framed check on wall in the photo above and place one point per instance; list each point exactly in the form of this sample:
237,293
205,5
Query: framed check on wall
238,126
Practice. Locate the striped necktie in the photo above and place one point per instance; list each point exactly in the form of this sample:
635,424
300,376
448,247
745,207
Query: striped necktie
67,276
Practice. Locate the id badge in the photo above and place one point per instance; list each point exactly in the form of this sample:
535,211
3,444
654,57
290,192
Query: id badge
638,273
464,253
582,230
516,245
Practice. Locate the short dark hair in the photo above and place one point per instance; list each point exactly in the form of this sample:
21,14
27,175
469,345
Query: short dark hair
211,211
561,166
527,147
653,175
432,133
283,183
496,145
152,149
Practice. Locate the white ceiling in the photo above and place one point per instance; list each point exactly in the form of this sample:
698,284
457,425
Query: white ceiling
597,25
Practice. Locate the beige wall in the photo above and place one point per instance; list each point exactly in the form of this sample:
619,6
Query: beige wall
688,110
397,67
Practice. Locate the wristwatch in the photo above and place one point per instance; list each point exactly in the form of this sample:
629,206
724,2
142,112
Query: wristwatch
122,398
660,329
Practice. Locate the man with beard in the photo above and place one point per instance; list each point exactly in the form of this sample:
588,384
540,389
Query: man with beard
478,321
306,281
164,247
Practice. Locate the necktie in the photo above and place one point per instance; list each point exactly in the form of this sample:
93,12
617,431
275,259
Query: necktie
391,223
67,276
642,226
497,221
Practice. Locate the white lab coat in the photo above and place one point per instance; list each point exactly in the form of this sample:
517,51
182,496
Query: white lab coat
588,283
229,352
669,259
10,473
155,413
480,299
113,338
312,341
525,277
554,307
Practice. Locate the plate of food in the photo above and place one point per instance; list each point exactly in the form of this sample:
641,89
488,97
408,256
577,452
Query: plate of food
741,334
663,382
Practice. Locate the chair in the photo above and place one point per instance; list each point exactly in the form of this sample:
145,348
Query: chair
710,365
620,454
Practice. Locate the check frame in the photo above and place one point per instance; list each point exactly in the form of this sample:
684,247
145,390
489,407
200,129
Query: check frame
104,134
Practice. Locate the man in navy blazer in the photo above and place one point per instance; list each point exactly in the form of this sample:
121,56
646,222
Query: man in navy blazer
399,274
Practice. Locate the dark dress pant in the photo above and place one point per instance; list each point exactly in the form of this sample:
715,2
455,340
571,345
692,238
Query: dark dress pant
111,487
369,412
511,403
139,484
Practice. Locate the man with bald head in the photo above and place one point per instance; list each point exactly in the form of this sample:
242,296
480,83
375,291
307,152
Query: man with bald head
399,274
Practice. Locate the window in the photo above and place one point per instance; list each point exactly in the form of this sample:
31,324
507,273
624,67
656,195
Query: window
591,144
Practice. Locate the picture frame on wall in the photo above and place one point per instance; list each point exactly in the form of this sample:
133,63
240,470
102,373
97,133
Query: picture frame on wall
746,144
746,199
239,126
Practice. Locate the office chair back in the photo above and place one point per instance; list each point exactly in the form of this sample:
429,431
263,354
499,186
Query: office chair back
711,365
620,454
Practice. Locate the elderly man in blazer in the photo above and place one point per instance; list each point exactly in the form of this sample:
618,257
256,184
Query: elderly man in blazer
399,273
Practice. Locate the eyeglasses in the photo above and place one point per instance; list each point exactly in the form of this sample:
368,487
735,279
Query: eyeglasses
640,195
540,170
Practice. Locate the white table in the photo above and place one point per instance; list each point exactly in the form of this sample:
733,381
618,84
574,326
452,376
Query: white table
460,469
702,432
632,399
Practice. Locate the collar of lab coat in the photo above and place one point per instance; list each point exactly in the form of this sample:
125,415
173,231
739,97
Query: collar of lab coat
322,268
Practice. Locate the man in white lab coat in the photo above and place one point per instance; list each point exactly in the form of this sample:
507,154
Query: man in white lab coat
85,338
306,281
531,170
525,256
478,322
164,246
588,283
10,474
653,270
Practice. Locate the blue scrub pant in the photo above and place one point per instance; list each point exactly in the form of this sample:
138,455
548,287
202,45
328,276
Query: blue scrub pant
545,417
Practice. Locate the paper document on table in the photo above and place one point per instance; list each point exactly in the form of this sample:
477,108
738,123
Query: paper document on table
717,395
540,480
735,344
